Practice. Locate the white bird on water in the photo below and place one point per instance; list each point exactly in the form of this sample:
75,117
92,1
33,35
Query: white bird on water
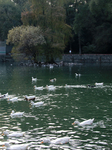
84,123
38,88
4,95
32,97
37,103
62,140
51,87
77,74
99,84
16,147
16,114
67,86
13,134
52,80
14,99
34,79
51,66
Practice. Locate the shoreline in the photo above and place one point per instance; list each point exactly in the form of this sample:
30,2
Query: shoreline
67,59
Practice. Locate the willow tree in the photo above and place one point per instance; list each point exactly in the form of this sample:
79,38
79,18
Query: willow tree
27,41
51,17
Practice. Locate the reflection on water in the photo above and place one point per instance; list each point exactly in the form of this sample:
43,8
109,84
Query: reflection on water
70,100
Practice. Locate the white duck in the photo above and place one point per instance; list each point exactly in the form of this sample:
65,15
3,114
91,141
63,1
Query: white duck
4,95
99,84
32,97
16,114
50,87
37,103
16,147
77,74
52,80
51,66
13,134
14,99
38,88
62,140
34,79
84,123
67,86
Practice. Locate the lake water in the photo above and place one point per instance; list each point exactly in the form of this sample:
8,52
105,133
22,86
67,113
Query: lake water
61,107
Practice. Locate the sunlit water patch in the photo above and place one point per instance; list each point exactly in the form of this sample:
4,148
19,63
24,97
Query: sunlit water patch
70,100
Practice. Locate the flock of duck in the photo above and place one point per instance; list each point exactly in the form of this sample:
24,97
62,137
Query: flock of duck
62,140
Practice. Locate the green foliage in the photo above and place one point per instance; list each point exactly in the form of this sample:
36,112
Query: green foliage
51,16
103,38
70,12
26,40
93,20
103,28
84,23
22,4
89,49
28,18
10,16
62,22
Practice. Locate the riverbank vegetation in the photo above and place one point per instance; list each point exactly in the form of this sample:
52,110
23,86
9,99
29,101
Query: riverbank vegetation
82,26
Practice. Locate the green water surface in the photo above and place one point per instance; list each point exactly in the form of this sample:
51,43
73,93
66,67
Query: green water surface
61,107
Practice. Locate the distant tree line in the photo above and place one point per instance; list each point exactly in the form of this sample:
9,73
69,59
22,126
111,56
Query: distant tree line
51,28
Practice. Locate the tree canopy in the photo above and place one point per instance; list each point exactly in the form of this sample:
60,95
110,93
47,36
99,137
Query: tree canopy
84,26
51,17
10,16
26,40
92,26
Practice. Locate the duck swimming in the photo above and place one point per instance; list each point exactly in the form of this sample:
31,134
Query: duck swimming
37,103
34,79
16,147
84,123
77,74
52,80
99,84
62,140
13,134
4,95
16,114
29,97
50,87
14,99
38,88
67,86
